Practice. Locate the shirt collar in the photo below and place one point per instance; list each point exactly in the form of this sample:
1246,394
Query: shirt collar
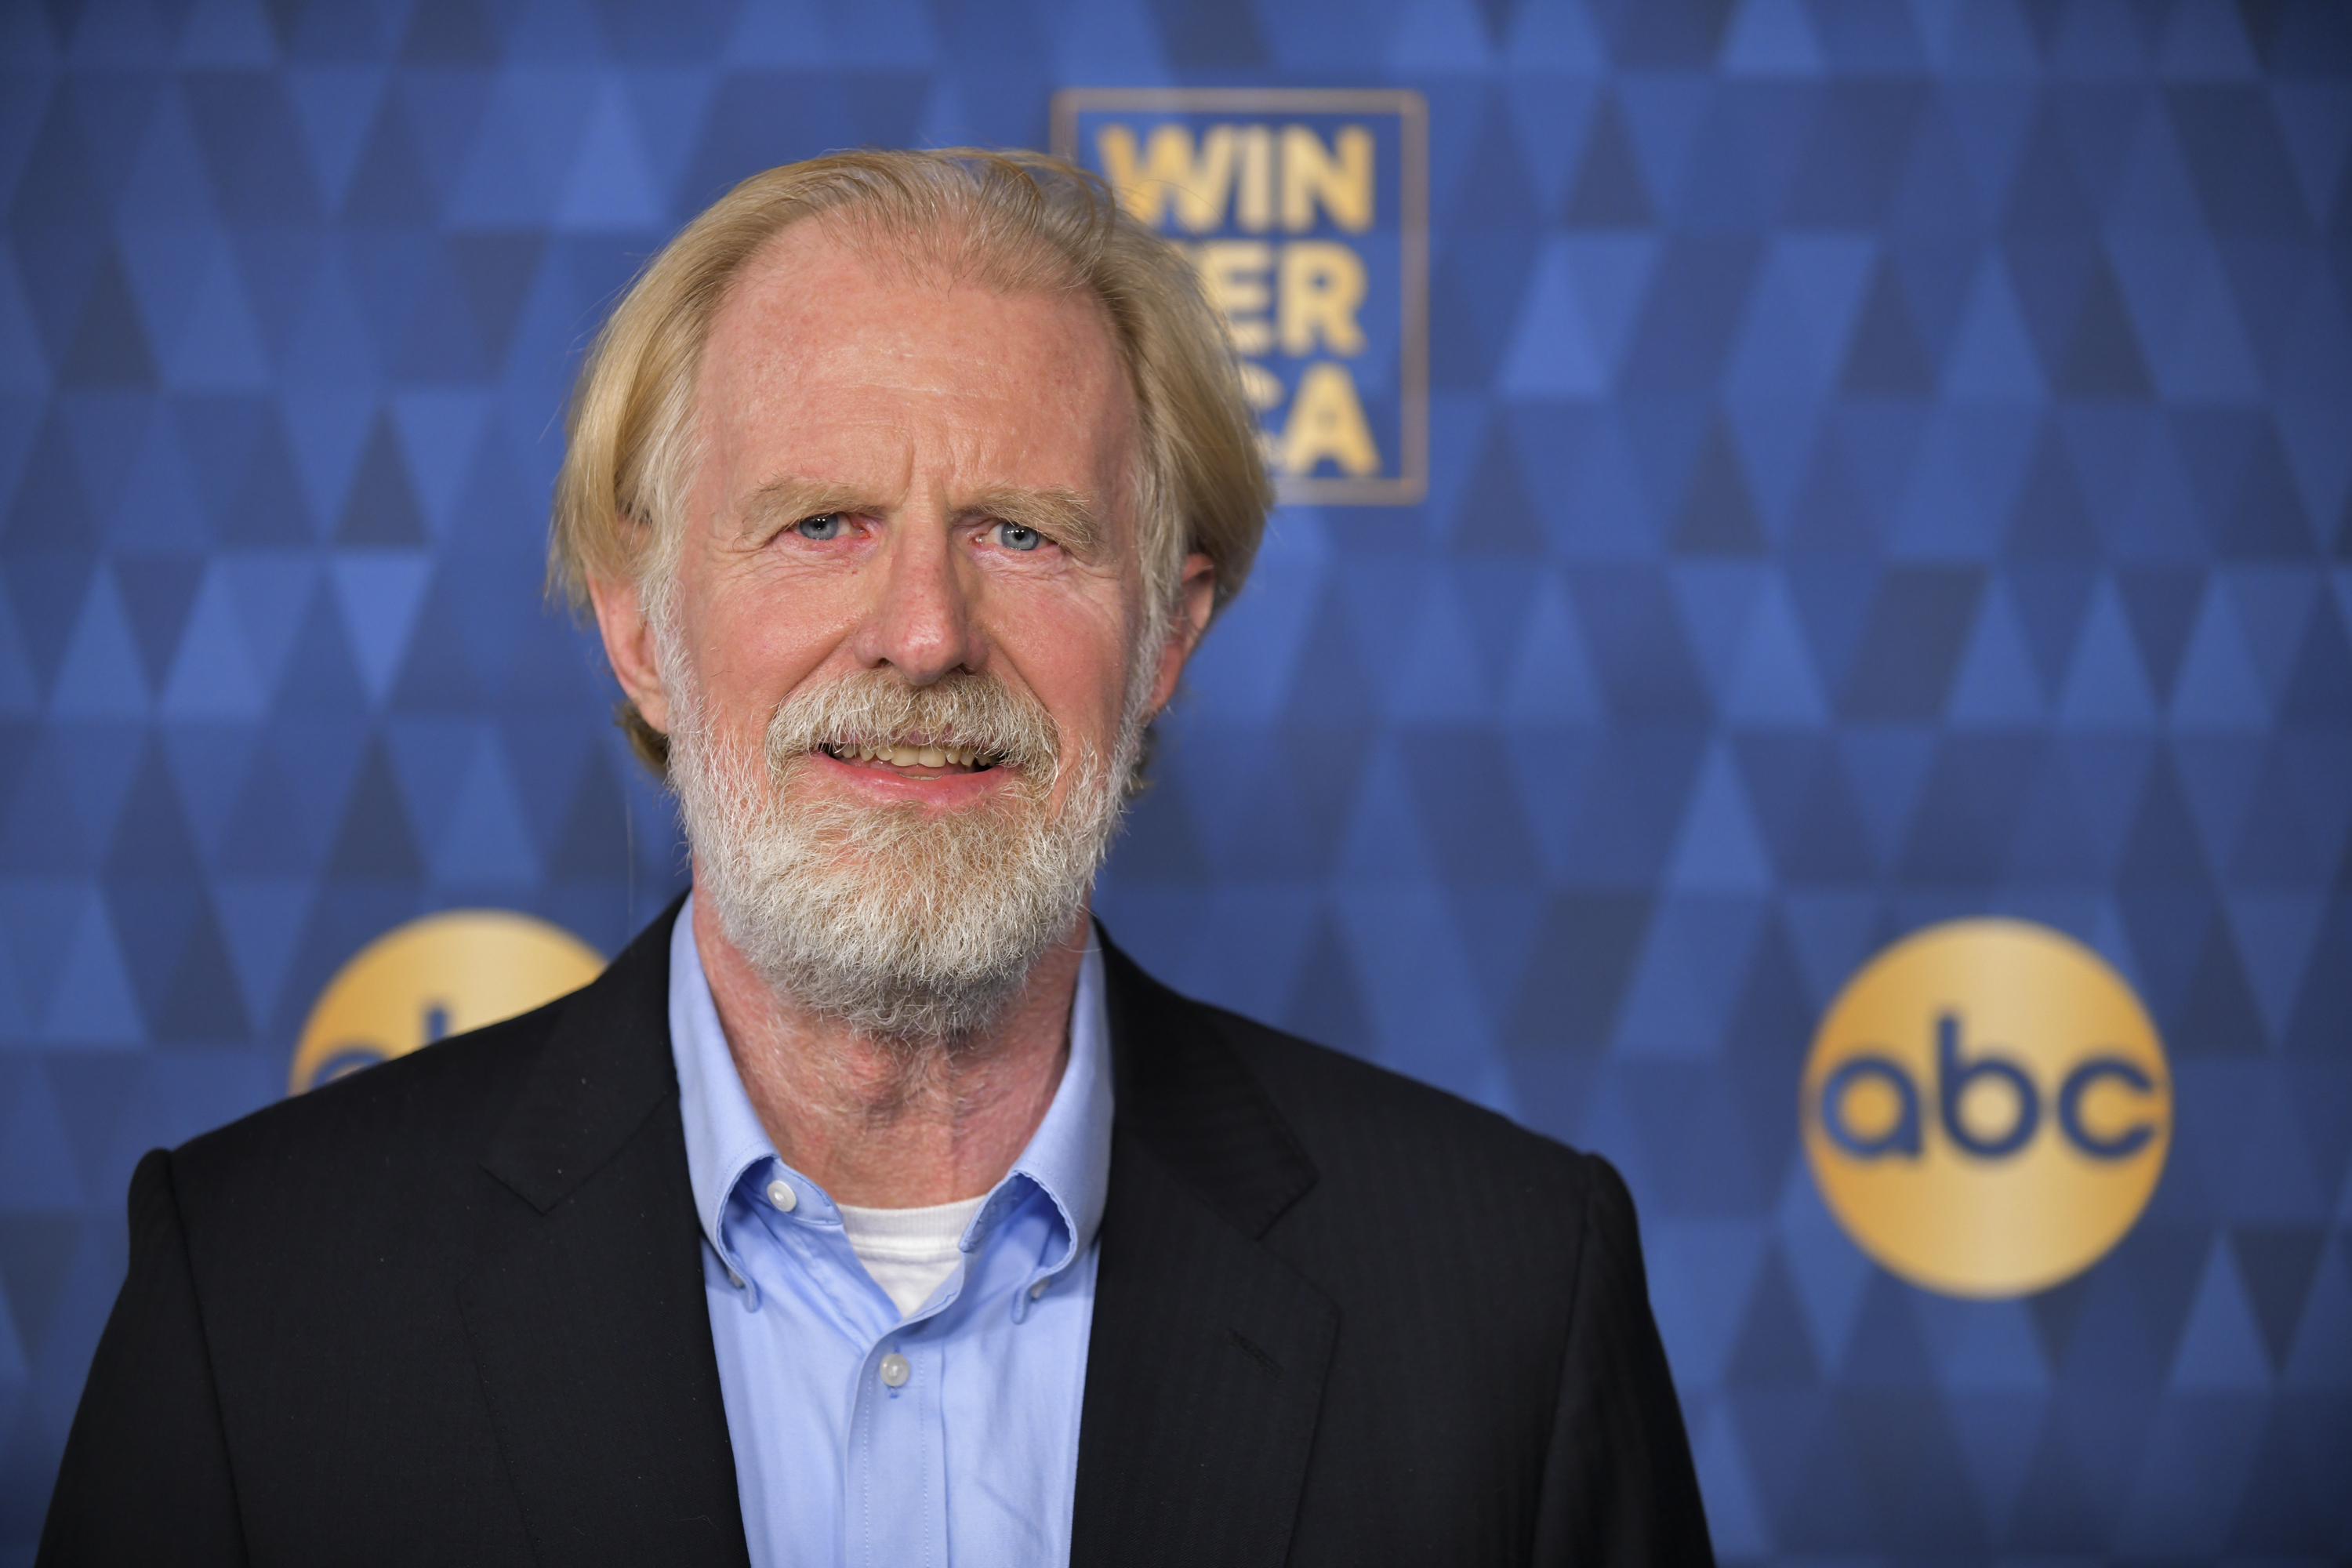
1068,1157
1070,1154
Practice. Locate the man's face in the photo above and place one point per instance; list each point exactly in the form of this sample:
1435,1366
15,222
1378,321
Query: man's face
917,494
868,446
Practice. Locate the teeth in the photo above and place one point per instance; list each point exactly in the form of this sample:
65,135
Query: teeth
915,756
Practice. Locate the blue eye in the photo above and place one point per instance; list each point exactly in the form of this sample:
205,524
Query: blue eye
825,526
1013,536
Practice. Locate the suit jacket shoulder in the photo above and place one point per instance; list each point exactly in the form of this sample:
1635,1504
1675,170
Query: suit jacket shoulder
449,1309
369,1139
1354,1118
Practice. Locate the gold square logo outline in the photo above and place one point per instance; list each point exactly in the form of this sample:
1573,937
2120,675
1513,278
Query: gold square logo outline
1410,484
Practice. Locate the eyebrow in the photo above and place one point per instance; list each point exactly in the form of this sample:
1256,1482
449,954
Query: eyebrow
1061,515
788,497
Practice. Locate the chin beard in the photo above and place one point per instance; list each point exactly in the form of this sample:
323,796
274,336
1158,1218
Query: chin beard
915,926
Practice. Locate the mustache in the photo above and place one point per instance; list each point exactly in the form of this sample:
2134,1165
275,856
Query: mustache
959,710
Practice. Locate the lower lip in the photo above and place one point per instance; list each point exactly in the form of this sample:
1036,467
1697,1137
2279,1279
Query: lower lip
882,781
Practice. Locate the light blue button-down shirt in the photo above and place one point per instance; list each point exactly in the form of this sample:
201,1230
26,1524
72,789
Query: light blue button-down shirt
973,1459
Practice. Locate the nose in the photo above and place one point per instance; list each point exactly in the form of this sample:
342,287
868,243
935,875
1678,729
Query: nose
922,621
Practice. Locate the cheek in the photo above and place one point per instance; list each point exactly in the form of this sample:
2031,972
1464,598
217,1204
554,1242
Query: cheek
1078,665
750,648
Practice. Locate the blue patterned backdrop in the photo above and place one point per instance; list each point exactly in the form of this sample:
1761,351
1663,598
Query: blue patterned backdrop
1890,461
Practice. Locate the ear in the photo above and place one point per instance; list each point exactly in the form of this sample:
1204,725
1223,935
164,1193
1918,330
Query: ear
1196,596
629,645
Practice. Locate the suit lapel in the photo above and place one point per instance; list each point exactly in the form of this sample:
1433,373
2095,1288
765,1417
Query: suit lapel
1204,1370
587,1317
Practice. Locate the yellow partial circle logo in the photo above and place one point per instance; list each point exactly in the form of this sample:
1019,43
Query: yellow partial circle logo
1987,1107
439,975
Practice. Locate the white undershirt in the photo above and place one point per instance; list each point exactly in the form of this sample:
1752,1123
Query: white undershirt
909,1251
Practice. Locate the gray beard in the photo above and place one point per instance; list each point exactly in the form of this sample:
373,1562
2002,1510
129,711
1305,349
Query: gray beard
913,927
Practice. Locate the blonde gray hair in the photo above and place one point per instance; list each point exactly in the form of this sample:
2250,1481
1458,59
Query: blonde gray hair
1012,221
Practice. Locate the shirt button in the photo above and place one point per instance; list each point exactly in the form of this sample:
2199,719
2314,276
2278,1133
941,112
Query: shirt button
1037,1291
895,1371
781,1194
735,1279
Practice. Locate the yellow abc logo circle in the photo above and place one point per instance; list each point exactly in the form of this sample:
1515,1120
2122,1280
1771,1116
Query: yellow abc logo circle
1987,1107
439,975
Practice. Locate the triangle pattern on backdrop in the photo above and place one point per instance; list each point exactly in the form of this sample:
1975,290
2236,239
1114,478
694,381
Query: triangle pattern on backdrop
1890,462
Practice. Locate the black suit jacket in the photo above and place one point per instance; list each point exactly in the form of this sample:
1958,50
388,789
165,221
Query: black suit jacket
451,1309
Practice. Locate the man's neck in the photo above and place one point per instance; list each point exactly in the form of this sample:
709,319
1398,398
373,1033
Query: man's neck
882,1126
